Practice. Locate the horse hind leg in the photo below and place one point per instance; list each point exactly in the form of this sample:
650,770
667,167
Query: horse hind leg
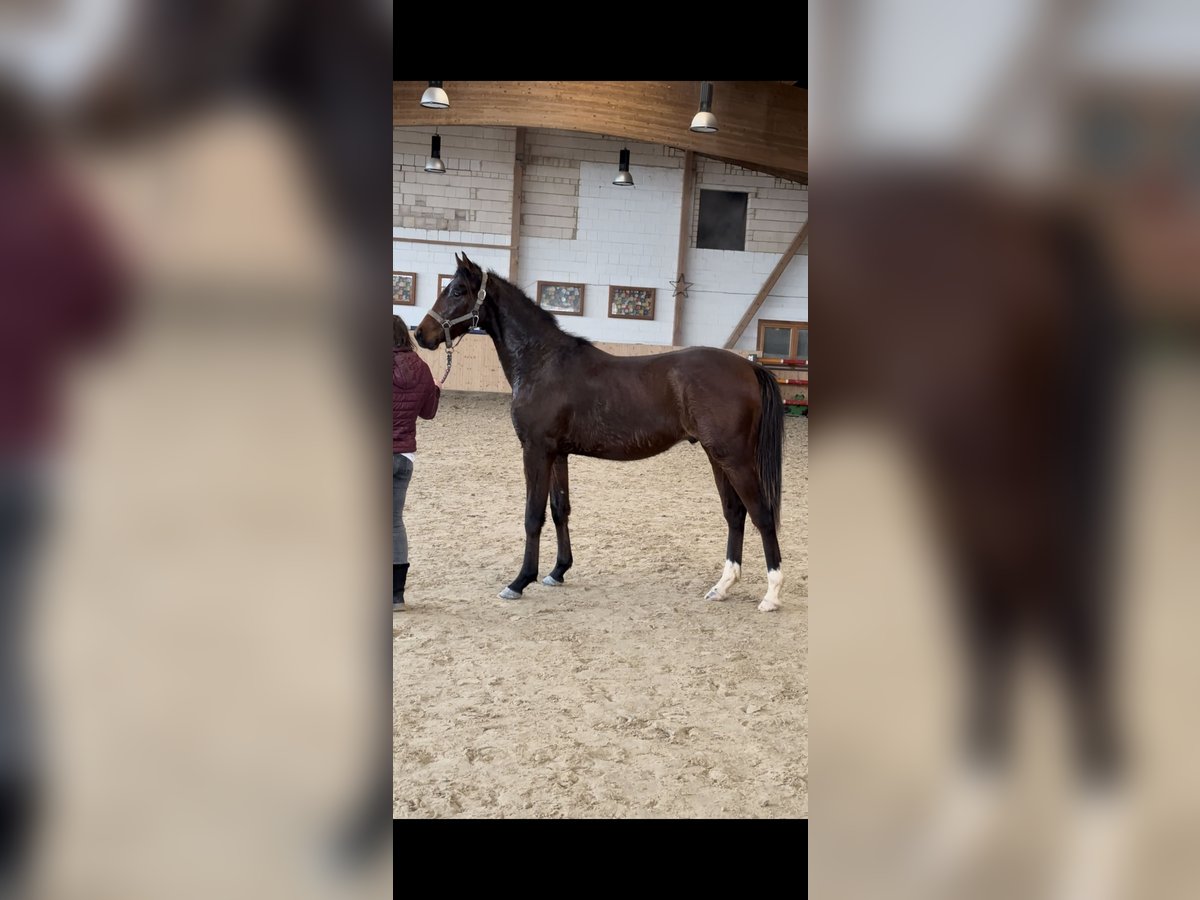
771,601
735,518
745,483
560,510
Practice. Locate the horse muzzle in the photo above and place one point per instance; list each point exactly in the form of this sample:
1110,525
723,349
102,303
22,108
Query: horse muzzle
429,334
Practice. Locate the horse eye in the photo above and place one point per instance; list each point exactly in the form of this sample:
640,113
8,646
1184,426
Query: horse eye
457,291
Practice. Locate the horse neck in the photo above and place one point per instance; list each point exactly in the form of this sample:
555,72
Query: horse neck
520,334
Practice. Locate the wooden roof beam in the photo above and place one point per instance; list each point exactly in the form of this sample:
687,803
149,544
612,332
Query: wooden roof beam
764,124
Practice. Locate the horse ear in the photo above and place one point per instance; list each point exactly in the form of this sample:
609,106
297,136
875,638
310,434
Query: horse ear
467,264
457,260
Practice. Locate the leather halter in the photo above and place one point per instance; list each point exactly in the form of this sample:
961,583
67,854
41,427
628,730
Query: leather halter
447,324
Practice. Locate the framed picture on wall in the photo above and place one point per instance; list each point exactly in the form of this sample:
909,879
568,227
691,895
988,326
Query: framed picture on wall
630,302
443,280
404,288
560,298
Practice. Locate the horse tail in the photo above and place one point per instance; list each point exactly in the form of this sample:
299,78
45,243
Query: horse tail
770,444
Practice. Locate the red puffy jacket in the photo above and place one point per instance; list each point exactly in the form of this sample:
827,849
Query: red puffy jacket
413,394
62,291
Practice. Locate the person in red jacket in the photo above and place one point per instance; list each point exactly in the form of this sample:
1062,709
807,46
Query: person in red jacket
63,290
413,394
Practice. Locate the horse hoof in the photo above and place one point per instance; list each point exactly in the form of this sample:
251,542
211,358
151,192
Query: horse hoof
509,594
714,594
551,581
768,605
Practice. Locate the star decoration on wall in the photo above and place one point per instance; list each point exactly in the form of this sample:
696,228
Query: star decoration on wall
681,286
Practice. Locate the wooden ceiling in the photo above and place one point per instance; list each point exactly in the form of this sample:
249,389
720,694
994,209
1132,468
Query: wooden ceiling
764,124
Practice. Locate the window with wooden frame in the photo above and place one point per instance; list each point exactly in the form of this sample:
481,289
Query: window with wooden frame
788,340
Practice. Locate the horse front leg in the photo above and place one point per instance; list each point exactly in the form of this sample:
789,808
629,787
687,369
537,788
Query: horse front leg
537,489
560,509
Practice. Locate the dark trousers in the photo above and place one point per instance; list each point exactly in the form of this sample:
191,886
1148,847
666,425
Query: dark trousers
22,519
402,469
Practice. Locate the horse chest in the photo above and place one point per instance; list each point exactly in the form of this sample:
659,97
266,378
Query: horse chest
554,426
529,422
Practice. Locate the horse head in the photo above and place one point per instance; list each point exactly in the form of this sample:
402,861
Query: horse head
457,306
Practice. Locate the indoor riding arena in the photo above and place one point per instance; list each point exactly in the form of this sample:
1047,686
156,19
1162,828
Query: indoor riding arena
624,692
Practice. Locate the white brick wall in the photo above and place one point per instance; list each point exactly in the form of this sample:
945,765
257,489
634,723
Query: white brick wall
626,236
552,158
577,226
725,281
550,147
775,207
473,198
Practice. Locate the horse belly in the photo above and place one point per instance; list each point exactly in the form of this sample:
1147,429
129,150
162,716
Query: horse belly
633,451
624,441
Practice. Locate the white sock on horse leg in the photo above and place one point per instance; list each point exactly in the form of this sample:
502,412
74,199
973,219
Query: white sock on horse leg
771,602
729,577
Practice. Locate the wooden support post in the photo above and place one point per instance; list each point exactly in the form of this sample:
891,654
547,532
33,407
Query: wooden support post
685,236
518,189
767,285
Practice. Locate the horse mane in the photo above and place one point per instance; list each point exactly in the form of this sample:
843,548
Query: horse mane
541,315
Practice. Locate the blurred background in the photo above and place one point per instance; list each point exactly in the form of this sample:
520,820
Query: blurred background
1005,277
193,688
190,539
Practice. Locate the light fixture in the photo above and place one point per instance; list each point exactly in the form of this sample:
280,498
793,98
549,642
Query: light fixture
434,163
623,176
434,97
704,121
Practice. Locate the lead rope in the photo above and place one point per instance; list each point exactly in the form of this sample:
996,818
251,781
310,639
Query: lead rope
449,359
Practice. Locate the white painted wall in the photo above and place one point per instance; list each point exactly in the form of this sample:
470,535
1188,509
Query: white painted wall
577,226
725,283
626,236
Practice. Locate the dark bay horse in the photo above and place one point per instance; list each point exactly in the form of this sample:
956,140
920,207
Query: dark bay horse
983,325
571,397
